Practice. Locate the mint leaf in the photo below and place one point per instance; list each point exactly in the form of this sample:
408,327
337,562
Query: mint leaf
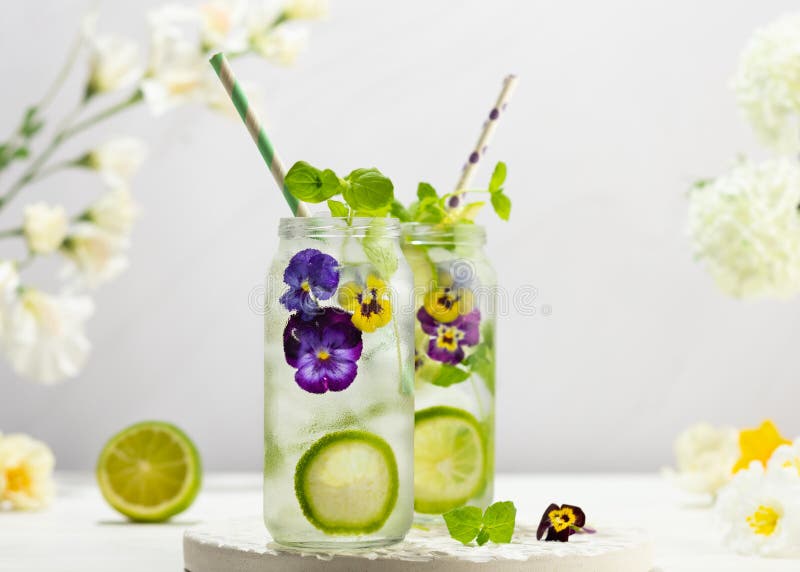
483,537
449,375
501,204
499,521
380,252
399,212
425,190
368,192
498,178
338,208
481,361
311,185
463,523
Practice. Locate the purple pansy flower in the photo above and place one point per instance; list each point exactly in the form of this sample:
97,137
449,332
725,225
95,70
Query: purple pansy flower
324,349
311,275
447,339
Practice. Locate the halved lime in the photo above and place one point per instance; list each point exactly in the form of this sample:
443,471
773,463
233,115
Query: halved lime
449,459
149,472
346,483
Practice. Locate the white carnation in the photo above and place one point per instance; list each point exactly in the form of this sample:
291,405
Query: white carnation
118,159
746,228
44,337
114,212
767,83
45,227
705,456
114,64
95,255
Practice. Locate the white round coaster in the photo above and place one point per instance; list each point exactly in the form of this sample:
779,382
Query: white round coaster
244,545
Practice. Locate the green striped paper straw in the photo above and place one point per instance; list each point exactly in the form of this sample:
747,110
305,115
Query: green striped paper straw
220,64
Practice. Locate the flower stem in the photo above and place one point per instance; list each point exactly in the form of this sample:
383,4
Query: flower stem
11,232
64,133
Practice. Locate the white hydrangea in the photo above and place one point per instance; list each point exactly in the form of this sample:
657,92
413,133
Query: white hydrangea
767,83
745,227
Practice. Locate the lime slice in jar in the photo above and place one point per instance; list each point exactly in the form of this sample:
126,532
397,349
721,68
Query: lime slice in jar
149,472
347,483
449,459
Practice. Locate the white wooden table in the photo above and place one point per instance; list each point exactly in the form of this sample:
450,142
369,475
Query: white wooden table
80,533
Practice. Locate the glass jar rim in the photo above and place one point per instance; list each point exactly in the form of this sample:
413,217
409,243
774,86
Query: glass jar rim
421,233
336,227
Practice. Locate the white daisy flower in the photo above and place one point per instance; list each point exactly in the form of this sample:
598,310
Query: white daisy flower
96,256
44,337
705,456
759,512
117,160
45,227
26,472
114,64
746,228
767,83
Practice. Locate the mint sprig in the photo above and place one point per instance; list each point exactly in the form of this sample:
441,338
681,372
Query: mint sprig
468,523
433,208
365,192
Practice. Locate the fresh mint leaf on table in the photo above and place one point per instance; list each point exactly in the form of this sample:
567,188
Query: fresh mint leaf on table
464,523
467,523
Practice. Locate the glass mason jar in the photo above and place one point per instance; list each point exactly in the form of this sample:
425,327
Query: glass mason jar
338,385
456,301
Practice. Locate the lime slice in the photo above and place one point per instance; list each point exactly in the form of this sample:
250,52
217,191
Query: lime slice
346,483
149,472
449,459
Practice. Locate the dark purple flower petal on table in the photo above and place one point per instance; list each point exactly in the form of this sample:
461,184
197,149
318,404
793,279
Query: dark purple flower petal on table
544,524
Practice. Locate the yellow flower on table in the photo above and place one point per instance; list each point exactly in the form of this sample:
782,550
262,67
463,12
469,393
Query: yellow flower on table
370,304
26,472
758,444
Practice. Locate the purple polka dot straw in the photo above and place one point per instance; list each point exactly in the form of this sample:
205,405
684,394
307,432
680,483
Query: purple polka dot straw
468,173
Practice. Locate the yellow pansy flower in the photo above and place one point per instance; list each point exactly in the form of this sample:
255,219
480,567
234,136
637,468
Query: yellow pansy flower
371,305
446,302
758,444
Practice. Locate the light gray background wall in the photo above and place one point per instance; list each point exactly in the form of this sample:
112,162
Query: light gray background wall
621,105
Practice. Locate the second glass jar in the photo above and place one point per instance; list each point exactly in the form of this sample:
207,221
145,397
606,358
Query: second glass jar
455,306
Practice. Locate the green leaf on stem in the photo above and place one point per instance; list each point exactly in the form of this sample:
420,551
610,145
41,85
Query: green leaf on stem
497,524
309,184
501,204
399,212
368,192
498,178
449,375
338,208
425,190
